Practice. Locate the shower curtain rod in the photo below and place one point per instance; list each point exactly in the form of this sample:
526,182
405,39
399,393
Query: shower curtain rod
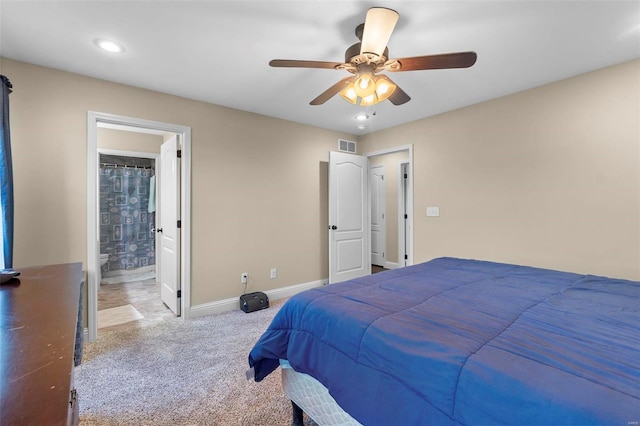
126,166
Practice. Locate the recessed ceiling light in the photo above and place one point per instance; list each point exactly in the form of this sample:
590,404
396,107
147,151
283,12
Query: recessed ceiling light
109,45
361,127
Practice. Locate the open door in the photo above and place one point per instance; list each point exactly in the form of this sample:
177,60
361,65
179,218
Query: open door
349,230
169,229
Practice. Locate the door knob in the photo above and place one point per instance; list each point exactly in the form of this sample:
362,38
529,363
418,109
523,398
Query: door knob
159,230
333,227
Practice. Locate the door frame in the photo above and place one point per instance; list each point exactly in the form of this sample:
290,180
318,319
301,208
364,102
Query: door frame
383,225
403,208
409,195
94,119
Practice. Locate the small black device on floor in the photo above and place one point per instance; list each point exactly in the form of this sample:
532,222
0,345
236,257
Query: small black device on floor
7,275
255,301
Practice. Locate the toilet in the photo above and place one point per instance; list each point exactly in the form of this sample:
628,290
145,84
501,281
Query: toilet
104,258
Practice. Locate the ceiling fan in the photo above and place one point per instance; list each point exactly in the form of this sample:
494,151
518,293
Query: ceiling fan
367,59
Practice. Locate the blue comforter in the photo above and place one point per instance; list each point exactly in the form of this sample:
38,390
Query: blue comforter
463,342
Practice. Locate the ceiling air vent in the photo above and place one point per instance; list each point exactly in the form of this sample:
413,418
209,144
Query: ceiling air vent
346,146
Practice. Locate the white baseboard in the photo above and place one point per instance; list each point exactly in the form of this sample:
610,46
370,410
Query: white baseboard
226,305
281,293
123,272
391,265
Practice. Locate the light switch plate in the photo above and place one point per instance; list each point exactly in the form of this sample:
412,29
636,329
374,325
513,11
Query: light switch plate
433,211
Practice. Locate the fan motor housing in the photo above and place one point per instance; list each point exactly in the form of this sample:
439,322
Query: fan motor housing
354,51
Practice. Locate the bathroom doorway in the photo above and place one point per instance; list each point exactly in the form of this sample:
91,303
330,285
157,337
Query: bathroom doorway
126,128
129,293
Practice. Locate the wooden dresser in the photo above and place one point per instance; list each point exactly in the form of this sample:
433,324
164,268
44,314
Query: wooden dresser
38,327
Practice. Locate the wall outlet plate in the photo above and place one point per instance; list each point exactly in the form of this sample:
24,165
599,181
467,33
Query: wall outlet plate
244,277
274,273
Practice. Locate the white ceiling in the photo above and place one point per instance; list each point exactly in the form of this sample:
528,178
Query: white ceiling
218,51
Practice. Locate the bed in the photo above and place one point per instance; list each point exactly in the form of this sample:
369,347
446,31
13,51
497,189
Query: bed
466,342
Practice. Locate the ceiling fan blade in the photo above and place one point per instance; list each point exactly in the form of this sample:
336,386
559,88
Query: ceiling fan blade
399,96
331,91
433,62
378,26
289,63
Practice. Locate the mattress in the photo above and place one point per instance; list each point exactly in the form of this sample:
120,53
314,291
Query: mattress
313,398
461,342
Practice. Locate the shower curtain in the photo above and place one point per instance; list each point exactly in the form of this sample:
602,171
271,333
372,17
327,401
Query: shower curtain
127,229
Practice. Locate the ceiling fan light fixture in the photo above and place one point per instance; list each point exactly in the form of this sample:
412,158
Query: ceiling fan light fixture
363,60
349,94
367,89
365,85
369,100
384,88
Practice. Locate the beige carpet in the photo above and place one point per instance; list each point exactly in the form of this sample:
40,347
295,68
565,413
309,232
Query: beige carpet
118,315
181,373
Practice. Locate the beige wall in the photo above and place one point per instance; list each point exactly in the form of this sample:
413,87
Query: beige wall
122,140
548,177
258,183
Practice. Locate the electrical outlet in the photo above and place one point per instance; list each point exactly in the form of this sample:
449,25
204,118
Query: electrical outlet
274,273
244,277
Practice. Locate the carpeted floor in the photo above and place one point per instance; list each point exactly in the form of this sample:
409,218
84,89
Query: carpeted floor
181,373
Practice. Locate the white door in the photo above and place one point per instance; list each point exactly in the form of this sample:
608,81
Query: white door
349,231
378,206
168,231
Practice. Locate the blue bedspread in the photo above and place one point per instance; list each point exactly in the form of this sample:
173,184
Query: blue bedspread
466,342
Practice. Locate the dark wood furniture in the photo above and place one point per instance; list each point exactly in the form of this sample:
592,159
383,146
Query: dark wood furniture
38,324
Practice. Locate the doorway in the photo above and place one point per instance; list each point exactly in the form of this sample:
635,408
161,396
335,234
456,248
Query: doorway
128,292
391,207
96,120
378,216
350,224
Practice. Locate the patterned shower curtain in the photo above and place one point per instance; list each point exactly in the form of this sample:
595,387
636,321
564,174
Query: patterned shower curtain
126,227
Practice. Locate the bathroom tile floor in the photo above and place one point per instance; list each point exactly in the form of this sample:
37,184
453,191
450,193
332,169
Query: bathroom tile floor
143,295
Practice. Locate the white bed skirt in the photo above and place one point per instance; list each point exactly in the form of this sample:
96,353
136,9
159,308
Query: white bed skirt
314,399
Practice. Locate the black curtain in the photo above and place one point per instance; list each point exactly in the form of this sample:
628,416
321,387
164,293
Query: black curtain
6,175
